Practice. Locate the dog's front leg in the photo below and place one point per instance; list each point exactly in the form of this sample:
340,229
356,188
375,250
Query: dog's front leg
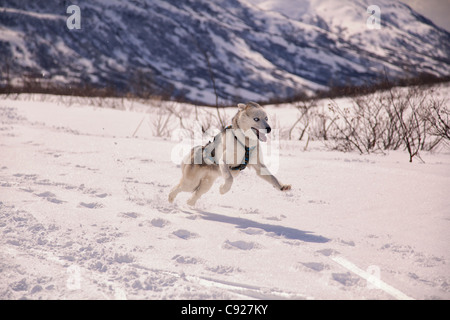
263,172
226,174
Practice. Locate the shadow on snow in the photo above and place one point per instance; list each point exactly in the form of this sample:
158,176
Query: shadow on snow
289,233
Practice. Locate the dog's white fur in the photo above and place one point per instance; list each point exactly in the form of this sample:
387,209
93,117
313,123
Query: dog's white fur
248,127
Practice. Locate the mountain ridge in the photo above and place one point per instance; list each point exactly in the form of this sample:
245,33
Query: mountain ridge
239,49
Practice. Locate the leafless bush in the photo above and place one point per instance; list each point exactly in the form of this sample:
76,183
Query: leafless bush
204,118
160,116
390,137
347,133
412,125
410,118
180,112
438,117
305,109
321,122
160,122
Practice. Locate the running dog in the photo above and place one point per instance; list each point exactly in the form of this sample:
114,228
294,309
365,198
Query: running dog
231,151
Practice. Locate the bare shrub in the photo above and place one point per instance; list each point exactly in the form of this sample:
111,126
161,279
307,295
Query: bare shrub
303,121
321,120
357,127
165,111
410,118
438,117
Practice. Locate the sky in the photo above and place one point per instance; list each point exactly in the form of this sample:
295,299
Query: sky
437,11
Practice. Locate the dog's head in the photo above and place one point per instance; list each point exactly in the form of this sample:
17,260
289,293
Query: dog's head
253,120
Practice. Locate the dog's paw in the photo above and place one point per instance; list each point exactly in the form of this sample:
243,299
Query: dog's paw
191,202
285,187
224,188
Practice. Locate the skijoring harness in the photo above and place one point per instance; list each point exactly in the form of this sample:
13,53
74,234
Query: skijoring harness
209,157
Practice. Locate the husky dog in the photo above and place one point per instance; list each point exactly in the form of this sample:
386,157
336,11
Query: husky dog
231,151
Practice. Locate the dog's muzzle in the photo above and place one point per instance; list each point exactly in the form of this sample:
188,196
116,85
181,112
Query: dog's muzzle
261,134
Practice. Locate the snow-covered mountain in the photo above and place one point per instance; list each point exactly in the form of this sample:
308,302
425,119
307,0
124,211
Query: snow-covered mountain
253,49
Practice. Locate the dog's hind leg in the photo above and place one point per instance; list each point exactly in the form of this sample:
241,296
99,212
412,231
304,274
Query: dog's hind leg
188,183
175,191
204,186
185,185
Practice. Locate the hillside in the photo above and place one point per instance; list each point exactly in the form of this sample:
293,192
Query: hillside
254,50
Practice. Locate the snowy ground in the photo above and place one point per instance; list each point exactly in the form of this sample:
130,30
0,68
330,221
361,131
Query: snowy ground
84,215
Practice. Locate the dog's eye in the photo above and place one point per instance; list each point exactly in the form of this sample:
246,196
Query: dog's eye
256,119
267,119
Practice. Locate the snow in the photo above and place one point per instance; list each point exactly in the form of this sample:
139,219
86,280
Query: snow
34,14
290,46
84,215
347,19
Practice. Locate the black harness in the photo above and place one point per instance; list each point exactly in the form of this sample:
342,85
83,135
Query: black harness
243,165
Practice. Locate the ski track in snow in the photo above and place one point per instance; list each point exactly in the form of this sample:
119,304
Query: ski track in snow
85,216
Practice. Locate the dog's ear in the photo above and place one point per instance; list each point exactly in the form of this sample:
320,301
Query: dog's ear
251,104
241,106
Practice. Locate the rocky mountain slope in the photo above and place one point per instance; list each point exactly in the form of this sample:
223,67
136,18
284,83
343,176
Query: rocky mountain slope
252,49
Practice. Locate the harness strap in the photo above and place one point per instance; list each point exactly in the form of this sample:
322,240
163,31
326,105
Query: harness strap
242,166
